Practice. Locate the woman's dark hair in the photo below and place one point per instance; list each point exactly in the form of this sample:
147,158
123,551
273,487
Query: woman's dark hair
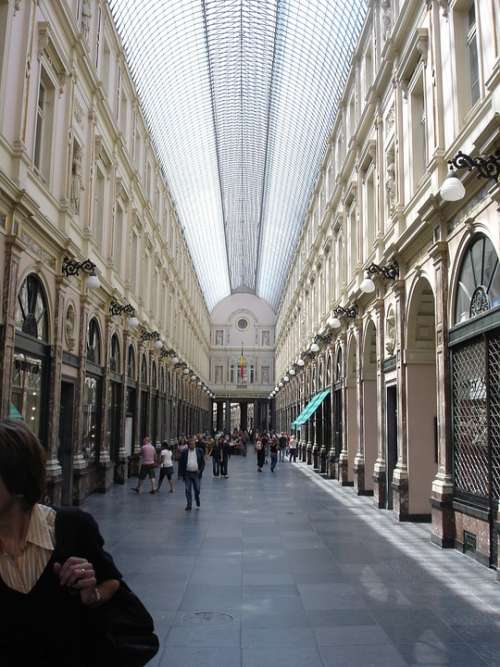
22,461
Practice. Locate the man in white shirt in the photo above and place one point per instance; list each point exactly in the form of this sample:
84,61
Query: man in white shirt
191,467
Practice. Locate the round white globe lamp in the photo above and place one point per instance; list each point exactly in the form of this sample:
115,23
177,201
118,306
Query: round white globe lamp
452,188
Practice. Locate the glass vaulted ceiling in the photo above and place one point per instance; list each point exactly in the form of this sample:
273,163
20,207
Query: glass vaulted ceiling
240,96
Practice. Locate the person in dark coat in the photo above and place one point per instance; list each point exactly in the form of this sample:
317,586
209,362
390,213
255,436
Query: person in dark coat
191,465
261,454
225,454
216,454
47,596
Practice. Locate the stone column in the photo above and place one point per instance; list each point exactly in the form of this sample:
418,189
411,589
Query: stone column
343,471
400,478
244,416
80,467
359,460
105,466
53,467
220,416
121,464
8,332
443,528
379,469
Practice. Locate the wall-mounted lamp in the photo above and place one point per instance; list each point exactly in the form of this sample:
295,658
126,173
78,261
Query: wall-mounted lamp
70,267
314,348
487,166
116,308
152,335
350,312
389,271
300,362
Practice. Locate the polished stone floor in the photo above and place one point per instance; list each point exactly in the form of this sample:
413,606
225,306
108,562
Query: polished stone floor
289,570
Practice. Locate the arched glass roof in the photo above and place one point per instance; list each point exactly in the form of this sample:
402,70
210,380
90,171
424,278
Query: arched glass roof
240,96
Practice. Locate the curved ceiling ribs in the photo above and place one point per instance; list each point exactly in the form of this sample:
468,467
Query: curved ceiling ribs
240,96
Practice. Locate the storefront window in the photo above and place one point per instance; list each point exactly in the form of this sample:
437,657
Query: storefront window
91,418
26,390
479,281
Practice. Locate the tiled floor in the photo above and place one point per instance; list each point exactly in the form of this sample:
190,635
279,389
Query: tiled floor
292,571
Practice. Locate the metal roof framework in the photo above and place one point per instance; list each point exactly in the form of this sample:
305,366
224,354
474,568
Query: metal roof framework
240,96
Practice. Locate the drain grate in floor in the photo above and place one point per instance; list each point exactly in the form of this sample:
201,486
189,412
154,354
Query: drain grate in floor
207,617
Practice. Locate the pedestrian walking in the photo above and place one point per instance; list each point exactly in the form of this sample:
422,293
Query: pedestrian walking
274,448
282,442
191,465
166,466
60,592
148,465
225,454
292,448
215,454
261,454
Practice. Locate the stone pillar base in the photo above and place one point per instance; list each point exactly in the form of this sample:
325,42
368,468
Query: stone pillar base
343,475
315,458
309,454
331,470
133,465
323,456
303,452
80,485
443,519
359,478
53,490
104,478
400,496
379,494
121,471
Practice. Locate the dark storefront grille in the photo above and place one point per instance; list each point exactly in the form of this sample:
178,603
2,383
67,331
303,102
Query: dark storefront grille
494,411
470,419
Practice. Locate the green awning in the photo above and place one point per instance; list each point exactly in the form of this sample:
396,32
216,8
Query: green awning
311,408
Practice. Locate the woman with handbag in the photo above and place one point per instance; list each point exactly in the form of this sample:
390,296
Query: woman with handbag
63,600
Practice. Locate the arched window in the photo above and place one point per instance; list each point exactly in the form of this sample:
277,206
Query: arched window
114,362
329,371
94,343
338,366
478,288
131,363
162,380
154,378
31,310
144,371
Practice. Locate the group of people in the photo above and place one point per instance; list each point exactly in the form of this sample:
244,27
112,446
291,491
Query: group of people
274,447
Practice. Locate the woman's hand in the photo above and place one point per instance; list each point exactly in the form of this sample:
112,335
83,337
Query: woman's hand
79,574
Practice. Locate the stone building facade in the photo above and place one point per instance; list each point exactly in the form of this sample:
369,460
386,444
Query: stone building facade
410,411
80,180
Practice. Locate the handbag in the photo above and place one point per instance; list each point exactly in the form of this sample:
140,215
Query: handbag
123,628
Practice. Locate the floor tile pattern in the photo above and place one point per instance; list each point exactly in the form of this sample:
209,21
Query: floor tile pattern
289,570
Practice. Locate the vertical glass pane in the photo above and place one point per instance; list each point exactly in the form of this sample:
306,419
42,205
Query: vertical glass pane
91,421
27,390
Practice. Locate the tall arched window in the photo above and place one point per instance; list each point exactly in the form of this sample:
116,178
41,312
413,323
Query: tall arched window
144,371
338,366
94,342
114,362
31,310
154,378
478,288
131,363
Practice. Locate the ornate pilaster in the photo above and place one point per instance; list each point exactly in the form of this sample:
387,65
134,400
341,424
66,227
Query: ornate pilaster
8,332
343,472
359,459
53,467
80,467
121,466
443,528
379,469
105,466
400,477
